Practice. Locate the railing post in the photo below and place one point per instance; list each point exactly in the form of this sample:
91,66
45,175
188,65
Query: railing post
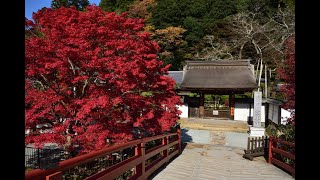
179,138
166,151
140,151
143,153
38,153
270,150
294,169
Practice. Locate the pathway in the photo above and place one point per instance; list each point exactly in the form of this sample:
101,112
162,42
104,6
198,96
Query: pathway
213,150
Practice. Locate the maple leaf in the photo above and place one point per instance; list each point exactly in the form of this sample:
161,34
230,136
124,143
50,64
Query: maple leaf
287,74
85,74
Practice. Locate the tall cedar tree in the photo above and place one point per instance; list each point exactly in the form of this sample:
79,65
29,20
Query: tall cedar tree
288,74
93,76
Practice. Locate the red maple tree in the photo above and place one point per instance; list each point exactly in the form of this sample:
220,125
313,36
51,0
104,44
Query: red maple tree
93,76
288,74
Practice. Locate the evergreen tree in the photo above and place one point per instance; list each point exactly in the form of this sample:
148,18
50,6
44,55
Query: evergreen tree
117,6
79,4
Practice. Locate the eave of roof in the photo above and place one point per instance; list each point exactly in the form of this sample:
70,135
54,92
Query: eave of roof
219,76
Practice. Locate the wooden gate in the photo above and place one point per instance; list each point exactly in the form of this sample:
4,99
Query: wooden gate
257,146
193,107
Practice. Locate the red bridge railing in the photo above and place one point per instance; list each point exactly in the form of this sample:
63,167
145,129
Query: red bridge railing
141,165
278,149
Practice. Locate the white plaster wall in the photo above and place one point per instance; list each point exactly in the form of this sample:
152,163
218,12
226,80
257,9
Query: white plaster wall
241,111
184,109
274,113
284,116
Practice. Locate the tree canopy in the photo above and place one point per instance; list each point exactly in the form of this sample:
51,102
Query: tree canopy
288,75
79,4
196,16
117,6
93,76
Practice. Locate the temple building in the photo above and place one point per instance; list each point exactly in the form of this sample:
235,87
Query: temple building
220,77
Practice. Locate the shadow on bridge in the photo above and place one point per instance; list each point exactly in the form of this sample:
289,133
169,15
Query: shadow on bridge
185,139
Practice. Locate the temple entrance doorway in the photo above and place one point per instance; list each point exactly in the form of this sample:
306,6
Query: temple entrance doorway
216,106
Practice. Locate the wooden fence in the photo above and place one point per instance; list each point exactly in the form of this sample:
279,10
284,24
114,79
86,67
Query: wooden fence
256,147
278,149
142,164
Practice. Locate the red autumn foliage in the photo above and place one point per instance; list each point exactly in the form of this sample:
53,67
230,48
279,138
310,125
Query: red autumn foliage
288,75
94,75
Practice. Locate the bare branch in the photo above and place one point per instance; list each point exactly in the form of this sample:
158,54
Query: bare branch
72,67
84,86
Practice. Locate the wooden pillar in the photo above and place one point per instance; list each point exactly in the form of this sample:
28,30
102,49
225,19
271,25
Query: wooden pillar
140,151
165,141
179,139
231,106
270,150
201,106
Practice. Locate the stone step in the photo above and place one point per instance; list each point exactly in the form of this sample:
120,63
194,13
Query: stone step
215,125
212,128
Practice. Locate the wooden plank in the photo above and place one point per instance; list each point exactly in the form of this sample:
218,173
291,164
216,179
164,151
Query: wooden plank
291,144
159,149
114,170
269,150
283,165
252,155
78,160
284,153
248,156
117,169
149,166
148,139
257,154
156,166
259,146
248,146
252,151
175,152
256,144
155,148
55,176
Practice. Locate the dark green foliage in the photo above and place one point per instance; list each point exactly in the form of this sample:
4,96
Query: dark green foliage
117,6
266,8
197,16
243,5
283,131
79,4
176,60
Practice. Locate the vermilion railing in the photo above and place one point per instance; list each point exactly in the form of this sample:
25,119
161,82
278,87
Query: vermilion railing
139,163
284,149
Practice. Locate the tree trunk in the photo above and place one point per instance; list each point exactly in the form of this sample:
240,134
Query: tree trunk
265,82
260,74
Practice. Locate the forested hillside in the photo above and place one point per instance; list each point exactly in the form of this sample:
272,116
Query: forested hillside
216,29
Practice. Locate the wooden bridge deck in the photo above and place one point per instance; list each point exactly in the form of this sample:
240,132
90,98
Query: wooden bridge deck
209,162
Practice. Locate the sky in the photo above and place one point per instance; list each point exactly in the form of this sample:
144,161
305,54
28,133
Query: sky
34,5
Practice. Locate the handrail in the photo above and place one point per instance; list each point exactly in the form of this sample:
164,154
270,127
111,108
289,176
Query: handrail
137,161
273,149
